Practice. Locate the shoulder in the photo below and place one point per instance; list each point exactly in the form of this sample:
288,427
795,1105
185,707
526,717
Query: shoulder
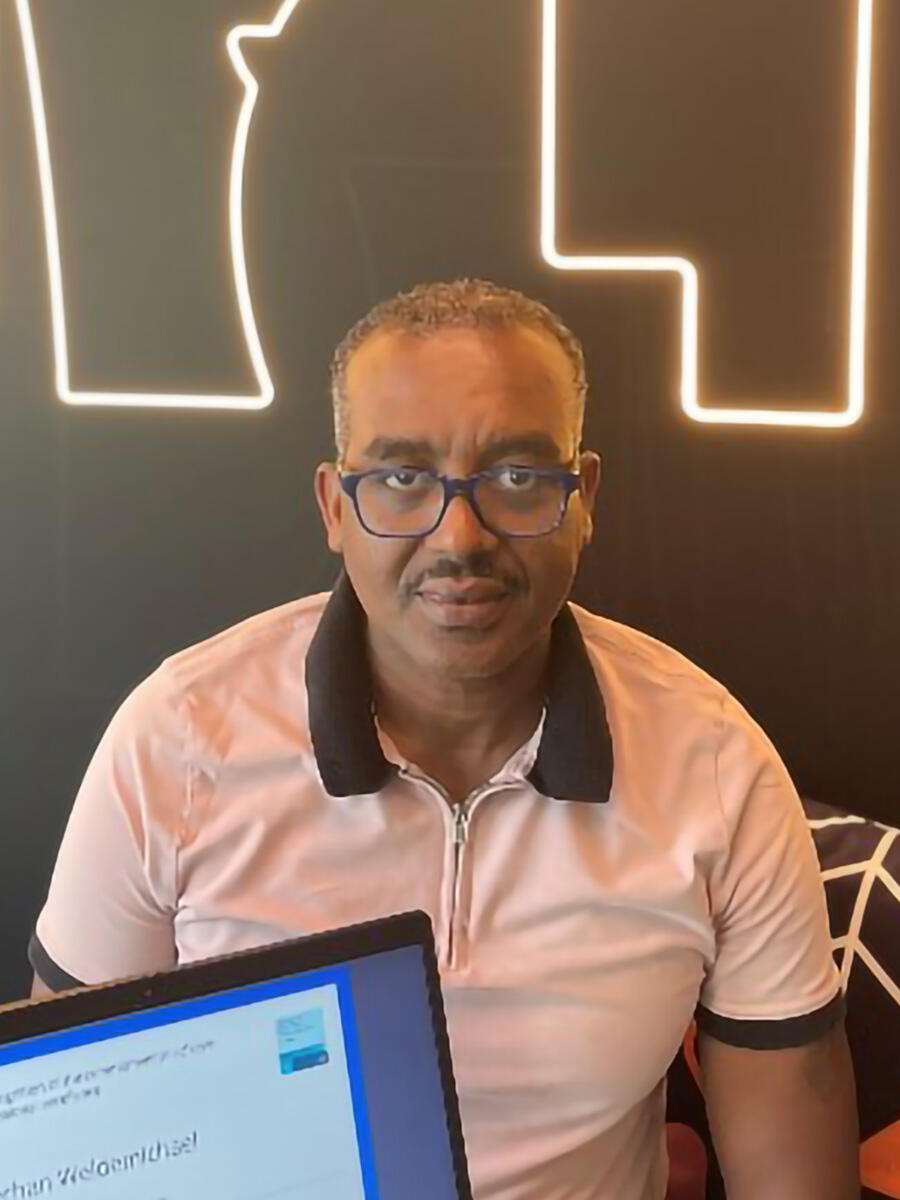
268,638
678,730
630,662
198,697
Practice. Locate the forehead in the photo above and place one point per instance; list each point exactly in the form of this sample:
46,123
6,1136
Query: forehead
460,388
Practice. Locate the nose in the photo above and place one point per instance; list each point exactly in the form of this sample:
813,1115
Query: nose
460,531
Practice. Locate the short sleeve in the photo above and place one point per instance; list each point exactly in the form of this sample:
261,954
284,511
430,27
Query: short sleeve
112,898
773,982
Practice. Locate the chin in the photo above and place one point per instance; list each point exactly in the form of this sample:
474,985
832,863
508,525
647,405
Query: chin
461,655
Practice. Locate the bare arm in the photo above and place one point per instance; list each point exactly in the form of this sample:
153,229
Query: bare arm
39,989
784,1122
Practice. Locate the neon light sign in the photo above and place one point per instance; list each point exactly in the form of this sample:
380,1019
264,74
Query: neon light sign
690,401
142,399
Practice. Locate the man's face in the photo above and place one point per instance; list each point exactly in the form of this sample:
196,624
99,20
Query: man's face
456,402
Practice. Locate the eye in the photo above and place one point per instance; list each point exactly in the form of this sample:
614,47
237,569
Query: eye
405,479
516,479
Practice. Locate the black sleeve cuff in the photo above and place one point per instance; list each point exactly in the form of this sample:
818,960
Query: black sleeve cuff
47,970
772,1035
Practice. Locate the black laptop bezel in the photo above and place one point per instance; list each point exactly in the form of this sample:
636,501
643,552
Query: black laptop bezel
87,1005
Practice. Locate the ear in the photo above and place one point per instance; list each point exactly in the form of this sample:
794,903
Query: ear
591,472
330,499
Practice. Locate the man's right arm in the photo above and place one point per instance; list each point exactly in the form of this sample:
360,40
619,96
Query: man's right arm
110,909
39,989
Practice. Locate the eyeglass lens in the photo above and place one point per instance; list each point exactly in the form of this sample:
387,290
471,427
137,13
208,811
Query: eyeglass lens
513,502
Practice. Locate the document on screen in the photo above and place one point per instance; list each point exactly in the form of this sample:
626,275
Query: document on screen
248,1102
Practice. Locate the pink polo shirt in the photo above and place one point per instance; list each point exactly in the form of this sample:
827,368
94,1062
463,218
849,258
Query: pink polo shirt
642,857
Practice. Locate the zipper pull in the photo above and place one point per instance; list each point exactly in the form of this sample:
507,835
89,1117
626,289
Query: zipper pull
462,825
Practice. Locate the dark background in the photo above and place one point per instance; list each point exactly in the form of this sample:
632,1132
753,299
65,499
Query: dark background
399,142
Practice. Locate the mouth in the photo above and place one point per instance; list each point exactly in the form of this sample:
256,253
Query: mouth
468,603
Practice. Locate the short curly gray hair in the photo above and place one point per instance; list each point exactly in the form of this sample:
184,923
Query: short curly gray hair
460,304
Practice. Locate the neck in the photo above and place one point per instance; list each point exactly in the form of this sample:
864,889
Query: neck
436,715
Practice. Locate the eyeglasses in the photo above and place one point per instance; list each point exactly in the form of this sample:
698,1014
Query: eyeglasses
509,501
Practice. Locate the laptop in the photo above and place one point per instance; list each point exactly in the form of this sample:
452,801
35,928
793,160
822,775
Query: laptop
317,1069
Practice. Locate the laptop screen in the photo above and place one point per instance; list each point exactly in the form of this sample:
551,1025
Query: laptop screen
323,1084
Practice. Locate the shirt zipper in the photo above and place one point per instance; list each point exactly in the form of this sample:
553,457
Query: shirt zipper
460,815
460,832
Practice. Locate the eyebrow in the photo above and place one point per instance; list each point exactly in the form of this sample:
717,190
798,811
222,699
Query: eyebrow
535,445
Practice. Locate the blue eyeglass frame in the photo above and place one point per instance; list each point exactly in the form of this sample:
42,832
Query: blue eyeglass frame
465,487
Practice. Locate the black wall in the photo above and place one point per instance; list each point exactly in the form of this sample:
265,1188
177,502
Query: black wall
395,142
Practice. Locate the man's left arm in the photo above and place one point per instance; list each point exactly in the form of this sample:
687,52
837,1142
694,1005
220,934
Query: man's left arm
773,1052
784,1121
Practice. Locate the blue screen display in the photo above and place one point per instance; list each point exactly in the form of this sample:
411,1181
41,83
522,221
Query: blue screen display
324,1083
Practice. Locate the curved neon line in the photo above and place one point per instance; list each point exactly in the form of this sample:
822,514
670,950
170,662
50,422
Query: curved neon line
138,399
690,402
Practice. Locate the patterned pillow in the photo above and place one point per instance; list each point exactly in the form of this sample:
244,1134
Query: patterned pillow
860,862
861,868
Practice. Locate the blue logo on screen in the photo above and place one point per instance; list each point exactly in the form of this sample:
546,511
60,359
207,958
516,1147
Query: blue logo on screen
301,1041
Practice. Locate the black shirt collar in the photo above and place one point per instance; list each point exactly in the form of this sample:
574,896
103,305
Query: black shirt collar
574,759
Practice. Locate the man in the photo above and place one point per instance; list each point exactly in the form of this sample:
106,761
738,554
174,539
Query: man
605,841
